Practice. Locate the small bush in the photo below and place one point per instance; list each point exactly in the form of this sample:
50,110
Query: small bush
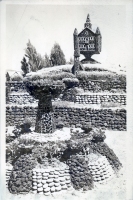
60,125
71,82
86,128
98,135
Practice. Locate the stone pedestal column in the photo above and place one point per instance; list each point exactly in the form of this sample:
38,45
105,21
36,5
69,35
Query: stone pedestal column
44,120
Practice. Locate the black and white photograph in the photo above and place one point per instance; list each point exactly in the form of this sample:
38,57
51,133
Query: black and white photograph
66,100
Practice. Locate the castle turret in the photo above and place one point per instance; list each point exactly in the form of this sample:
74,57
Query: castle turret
98,40
88,23
75,68
76,43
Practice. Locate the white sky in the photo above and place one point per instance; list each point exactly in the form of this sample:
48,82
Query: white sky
46,24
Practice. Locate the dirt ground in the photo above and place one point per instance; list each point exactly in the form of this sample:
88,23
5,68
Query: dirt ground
115,189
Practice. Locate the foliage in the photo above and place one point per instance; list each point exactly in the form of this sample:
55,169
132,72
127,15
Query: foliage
104,76
57,56
86,128
35,60
47,61
70,82
21,176
83,75
98,135
59,125
104,150
24,66
25,126
46,83
69,94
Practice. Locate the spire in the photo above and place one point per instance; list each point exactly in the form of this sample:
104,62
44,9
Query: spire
88,22
75,32
88,18
98,31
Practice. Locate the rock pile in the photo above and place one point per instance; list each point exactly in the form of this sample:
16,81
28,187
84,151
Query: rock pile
81,177
50,179
21,176
100,168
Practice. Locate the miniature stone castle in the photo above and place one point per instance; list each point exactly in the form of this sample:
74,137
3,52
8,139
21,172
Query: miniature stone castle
87,43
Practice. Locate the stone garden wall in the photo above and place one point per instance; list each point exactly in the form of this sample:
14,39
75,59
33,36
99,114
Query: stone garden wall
101,85
114,119
91,85
20,99
25,98
98,99
16,86
50,180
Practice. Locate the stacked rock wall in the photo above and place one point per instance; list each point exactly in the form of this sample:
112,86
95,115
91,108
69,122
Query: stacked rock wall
100,168
21,99
98,99
81,99
98,85
50,180
16,86
104,118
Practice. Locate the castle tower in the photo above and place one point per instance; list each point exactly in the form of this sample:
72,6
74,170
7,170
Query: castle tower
98,40
88,23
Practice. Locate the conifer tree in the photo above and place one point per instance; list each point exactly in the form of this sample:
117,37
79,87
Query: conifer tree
57,56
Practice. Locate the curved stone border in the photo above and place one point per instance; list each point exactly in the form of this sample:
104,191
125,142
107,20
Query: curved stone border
50,180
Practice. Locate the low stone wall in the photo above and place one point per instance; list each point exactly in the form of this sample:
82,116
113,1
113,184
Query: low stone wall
21,99
25,98
50,180
101,85
98,99
15,85
114,119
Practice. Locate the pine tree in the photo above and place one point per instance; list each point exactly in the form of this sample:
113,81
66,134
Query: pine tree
57,56
24,66
35,61
47,61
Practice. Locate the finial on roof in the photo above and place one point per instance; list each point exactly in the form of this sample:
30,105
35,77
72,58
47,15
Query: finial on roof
98,30
88,18
88,23
75,32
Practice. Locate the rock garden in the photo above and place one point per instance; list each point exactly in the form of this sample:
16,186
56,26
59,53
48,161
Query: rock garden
56,123
49,155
